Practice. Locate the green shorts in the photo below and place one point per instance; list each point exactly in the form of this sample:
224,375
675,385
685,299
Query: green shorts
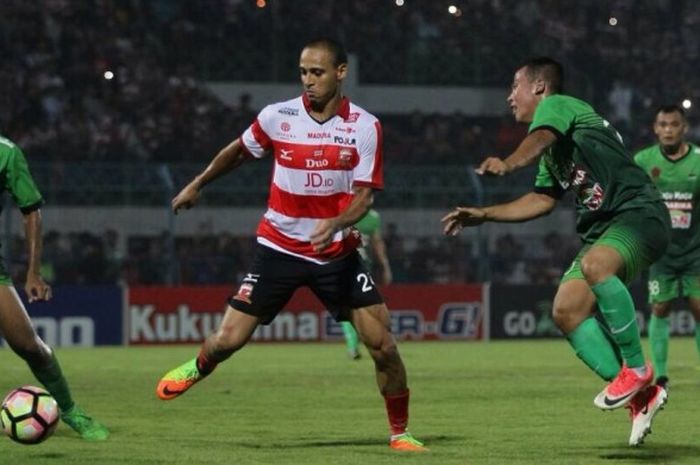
638,236
664,287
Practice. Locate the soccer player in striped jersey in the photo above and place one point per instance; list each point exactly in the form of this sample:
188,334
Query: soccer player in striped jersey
15,325
674,166
328,163
622,221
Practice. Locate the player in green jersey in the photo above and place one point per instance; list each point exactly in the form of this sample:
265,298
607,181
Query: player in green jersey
15,325
370,227
622,222
674,166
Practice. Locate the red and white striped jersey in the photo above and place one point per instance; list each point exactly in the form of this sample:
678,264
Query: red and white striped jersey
316,166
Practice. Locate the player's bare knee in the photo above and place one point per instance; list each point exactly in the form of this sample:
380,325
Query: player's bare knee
661,310
567,316
594,270
386,354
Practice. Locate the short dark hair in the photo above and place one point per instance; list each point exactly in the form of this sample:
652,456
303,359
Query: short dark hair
547,69
340,56
670,109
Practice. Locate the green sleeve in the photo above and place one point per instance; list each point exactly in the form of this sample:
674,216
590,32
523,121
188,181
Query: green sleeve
641,158
545,183
20,184
554,112
369,223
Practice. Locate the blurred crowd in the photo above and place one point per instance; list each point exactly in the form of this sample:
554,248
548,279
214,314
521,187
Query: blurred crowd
210,258
122,80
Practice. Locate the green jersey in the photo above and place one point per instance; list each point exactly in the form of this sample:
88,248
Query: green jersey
368,225
16,179
679,184
590,159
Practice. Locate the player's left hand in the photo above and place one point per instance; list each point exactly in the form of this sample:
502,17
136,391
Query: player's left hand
36,288
323,234
493,166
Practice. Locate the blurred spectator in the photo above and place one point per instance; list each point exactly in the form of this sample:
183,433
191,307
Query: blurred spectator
507,259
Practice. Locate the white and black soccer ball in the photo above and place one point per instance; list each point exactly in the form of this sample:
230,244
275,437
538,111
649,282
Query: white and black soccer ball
29,415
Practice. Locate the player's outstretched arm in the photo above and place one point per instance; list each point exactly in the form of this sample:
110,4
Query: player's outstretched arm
527,207
35,287
228,159
527,152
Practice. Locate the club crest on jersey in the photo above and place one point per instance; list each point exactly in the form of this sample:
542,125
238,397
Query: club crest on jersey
592,197
285,126
244,293
345,158
655,172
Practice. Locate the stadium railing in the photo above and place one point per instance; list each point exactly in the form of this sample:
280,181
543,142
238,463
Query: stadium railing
153,184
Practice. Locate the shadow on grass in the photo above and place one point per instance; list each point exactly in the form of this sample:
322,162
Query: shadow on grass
429,441
49,455
664,453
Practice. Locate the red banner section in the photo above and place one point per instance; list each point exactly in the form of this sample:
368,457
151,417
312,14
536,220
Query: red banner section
158,315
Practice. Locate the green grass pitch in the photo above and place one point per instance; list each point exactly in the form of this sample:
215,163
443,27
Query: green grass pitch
472,403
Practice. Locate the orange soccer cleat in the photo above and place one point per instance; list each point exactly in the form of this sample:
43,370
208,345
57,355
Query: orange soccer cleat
177,381
406,442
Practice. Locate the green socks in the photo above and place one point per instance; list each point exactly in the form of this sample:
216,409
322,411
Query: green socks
592,346
658,339
697,335
351,339
52,378
617,307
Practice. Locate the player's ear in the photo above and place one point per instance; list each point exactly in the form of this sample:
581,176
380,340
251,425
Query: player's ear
341,71
540,87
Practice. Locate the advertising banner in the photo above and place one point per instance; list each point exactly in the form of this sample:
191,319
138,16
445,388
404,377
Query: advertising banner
525,311
522,311
82,316
158,315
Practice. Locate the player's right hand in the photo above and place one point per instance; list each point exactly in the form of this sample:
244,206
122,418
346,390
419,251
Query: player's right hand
187,197
462,217
36,288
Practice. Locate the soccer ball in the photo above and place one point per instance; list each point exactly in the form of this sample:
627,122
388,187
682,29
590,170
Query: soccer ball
29,415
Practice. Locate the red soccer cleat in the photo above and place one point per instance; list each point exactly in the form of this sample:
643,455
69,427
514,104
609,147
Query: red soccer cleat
621,390
643,407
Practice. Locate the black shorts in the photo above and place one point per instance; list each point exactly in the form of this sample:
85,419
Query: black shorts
341,285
